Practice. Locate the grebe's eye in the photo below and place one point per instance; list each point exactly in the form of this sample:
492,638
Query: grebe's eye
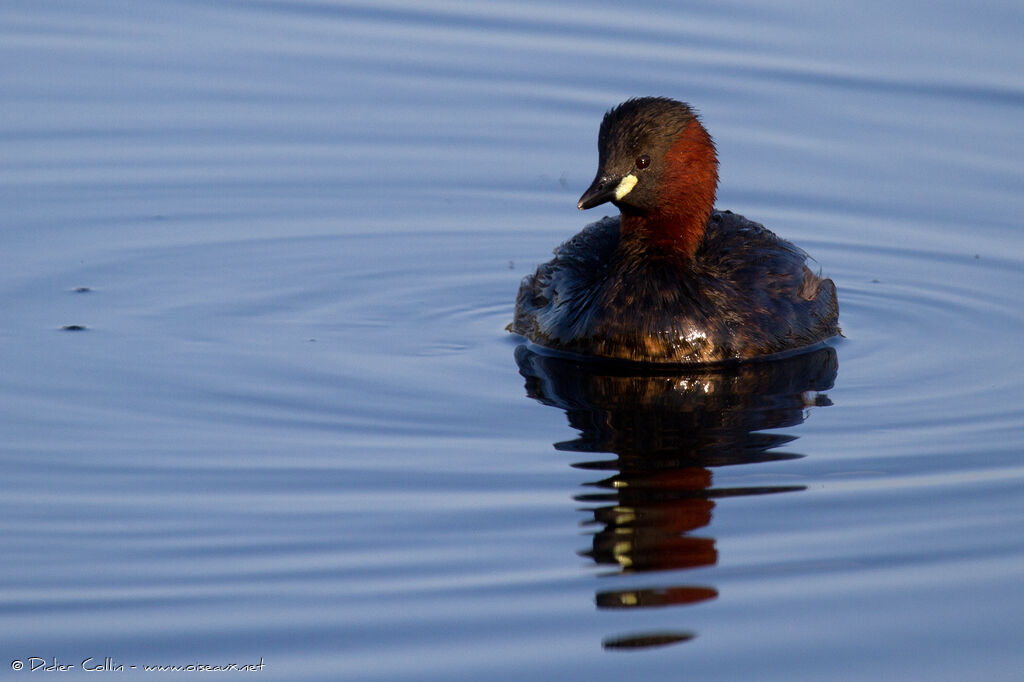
643,161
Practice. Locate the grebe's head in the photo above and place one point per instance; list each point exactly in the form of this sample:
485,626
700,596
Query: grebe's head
658,165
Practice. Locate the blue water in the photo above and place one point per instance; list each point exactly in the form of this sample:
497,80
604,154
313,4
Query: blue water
258,403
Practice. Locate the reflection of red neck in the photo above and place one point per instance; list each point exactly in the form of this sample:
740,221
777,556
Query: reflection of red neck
686,195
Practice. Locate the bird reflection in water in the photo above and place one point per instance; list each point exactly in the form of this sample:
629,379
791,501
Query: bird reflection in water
668,429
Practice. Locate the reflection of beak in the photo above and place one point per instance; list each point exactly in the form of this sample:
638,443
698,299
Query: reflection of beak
606,188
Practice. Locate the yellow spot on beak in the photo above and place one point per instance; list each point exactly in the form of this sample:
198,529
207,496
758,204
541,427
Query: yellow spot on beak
626,185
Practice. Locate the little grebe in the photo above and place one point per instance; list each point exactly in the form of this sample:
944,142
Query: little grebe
671,280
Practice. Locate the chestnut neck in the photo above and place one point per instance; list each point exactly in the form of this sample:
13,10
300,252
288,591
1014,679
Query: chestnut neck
685,197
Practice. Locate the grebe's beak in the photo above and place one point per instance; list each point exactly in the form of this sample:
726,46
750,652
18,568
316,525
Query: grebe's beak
606,188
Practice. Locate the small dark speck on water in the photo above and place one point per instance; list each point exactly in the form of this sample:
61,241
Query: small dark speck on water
74,328
511,265
82,290
876,281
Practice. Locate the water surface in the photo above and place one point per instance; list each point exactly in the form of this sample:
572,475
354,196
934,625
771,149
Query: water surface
258,401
